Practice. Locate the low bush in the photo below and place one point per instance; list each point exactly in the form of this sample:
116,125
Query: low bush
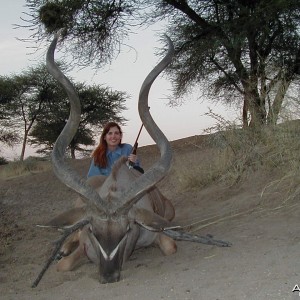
28,166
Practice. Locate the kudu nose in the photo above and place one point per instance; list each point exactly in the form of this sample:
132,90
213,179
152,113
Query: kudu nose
110,278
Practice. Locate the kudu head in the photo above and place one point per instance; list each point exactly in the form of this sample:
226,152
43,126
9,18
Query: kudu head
114,219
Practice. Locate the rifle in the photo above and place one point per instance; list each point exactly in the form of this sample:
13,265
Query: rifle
135,146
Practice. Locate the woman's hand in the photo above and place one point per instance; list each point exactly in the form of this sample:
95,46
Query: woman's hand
132,158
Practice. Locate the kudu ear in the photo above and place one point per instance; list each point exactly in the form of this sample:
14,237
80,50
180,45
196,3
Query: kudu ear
150,220
66,218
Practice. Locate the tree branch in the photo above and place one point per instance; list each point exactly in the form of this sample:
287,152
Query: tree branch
185,236
227,75
55,251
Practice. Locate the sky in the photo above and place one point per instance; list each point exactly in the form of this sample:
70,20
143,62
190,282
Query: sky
126,73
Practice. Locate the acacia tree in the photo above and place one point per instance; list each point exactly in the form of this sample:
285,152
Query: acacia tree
93,31
99,105
26,101
247,50
34,98
8,135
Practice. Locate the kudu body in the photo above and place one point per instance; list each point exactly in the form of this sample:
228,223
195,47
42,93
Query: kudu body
123,211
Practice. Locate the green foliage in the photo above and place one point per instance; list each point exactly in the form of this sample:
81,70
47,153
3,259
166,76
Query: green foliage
245,52
27,95
232,51
93,29
7,136
35,104
3,161
239,50
98,106
54,15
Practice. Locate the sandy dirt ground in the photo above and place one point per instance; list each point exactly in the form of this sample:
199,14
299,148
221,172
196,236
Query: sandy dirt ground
262,263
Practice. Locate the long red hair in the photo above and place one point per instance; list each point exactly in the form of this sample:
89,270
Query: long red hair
99,154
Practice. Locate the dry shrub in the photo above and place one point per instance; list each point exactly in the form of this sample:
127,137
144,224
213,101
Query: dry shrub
21,168
229,156
283,154
199,169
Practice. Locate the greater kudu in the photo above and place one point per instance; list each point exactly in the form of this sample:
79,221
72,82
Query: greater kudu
124,211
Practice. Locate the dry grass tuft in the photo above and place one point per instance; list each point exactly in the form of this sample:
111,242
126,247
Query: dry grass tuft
229,156
21,168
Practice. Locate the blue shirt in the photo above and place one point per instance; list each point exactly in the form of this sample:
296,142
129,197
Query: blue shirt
112,157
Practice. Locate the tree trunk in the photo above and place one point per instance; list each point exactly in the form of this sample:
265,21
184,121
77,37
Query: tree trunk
245,113
72,152
27,129
255,106
277,103
24,145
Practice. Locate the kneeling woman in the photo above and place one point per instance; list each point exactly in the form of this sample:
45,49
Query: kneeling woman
109,150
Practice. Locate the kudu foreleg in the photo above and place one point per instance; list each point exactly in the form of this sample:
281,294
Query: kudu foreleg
57,248
73,260
166,244
71,243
